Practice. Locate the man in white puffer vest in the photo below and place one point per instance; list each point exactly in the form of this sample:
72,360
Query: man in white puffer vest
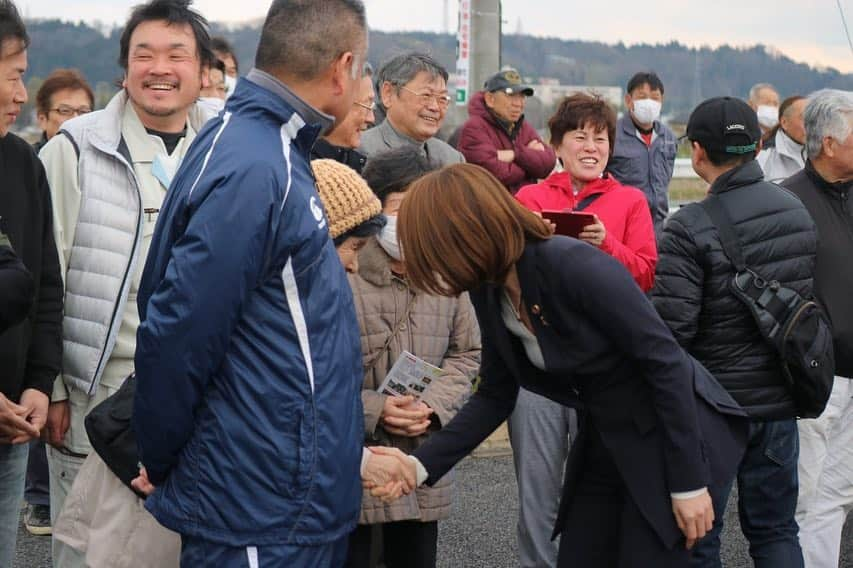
109,172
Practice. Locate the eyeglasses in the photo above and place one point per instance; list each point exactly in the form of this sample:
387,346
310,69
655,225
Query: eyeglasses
443,101
69,111
370,107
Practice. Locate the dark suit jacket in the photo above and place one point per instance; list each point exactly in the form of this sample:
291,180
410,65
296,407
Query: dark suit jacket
668,424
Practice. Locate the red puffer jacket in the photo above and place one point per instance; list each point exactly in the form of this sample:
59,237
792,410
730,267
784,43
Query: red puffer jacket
624,210
482,136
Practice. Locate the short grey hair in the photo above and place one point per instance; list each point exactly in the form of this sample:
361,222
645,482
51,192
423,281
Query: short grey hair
828,113
757,88
403,68
303,37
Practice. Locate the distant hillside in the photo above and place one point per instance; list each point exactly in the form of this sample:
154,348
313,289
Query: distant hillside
689,75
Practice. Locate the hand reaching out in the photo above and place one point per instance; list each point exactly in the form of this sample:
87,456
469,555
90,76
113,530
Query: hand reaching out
389,473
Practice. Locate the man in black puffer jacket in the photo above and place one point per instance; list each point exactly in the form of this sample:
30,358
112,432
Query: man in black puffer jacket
826,443
692,295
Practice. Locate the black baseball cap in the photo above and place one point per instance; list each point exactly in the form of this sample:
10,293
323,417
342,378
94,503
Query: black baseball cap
509,82
724,124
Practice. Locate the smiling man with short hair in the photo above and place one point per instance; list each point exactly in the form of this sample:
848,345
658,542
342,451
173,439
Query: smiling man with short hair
414,95
109,172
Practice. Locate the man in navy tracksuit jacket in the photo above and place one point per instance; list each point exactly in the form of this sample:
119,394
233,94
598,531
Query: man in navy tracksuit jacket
248,413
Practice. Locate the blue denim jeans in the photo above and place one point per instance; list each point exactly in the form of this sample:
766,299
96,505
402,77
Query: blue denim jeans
767,499
13,470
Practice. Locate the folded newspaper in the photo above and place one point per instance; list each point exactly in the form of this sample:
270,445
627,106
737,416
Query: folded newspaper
409,375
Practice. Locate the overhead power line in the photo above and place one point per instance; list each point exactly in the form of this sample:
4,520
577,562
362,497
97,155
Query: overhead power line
844,23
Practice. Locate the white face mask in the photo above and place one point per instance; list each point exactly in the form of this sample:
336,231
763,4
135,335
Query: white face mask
646,111
230,85
768,116
387,238
213,103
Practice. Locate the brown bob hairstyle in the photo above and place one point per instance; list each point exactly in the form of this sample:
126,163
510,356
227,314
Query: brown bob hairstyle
59,80
579,111
459,228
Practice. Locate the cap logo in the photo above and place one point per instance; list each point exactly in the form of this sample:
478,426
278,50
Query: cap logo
731,127
512,76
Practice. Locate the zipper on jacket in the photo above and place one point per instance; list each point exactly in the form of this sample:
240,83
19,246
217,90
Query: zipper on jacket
101,362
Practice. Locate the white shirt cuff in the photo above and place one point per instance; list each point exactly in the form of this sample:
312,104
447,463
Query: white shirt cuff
421,470
365,455
689,494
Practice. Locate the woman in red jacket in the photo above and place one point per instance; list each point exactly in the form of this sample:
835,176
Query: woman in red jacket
583,133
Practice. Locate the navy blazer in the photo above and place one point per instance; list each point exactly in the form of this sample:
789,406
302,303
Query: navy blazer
668,424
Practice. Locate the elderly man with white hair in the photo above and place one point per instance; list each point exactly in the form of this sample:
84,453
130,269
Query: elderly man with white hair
826,443
764,100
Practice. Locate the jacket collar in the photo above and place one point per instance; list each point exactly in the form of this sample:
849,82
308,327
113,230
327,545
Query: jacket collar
786,146
323,149
394,139
744,174
308,113
374,264
563,182
478,107
630,128
104,127
838,190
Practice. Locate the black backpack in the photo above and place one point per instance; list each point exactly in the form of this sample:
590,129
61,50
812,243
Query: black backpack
796,327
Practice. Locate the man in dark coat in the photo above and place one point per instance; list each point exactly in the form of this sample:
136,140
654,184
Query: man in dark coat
826,443
693,296
497,137
30,352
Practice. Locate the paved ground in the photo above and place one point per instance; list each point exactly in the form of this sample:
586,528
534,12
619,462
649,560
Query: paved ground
480,533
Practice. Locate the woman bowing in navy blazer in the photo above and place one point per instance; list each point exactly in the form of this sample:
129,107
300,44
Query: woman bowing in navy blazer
565,320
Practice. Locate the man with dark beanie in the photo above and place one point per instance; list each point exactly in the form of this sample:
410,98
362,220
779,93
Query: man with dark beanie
30,352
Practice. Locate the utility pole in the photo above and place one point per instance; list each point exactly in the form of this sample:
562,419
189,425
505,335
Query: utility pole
478,51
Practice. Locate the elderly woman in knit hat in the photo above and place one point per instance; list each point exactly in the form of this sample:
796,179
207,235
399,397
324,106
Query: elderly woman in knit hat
394,317
353,211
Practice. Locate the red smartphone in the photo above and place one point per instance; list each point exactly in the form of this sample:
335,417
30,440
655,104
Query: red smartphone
569,223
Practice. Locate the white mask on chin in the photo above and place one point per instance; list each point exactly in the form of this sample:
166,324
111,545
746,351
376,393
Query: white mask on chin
230,85
768,116
213,103
387,238
646,111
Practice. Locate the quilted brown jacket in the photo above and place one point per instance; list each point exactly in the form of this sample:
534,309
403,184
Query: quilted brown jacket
441,331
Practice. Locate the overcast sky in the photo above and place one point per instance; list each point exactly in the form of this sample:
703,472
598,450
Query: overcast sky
806,30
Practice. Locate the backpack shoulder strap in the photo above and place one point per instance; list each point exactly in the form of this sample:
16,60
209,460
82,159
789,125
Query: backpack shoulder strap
728,239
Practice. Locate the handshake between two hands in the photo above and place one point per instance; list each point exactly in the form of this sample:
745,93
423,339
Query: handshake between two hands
388,473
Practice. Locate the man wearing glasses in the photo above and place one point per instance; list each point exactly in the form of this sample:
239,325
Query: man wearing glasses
342,142
414,94
63,95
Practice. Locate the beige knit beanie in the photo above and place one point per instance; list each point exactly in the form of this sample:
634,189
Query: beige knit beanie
348,200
